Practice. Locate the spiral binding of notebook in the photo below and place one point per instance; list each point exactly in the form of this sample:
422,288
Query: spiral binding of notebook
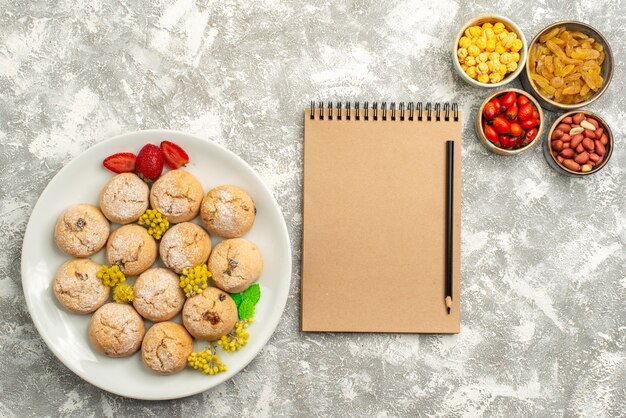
386,111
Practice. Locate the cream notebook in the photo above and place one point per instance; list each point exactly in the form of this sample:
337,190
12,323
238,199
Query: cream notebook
374,218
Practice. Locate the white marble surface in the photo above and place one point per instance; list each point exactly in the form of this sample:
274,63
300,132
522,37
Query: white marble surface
543,255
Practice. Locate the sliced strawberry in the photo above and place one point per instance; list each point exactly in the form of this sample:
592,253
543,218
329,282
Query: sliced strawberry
149,163
174,156
122,162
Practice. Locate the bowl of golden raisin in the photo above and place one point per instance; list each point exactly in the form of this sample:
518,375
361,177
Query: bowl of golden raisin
570,65
489,51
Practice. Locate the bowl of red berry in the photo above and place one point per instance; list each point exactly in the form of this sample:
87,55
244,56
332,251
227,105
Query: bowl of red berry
509,122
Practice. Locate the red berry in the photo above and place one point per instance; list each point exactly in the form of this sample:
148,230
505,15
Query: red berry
522,100
490,111
149,163
516,129
525,112
505,141
501,125
122,162
174,156
509,99
497,104
531,134
530,123
511,112
491,134
535,114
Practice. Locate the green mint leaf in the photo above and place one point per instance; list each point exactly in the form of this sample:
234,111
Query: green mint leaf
246,309
236,298
253,293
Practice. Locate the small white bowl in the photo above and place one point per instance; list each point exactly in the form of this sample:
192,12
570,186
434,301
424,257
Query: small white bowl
479,21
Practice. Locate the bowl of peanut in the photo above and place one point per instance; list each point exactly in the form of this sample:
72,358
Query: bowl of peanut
489,51
580,143
570,65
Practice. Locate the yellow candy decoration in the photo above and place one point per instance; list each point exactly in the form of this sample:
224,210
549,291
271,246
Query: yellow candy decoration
482,68
465,42
498,28
482,57
483,78
462,53
473,50
471,71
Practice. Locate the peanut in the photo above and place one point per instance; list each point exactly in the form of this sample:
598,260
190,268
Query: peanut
580,148
576,131
590,134
576,140
587,125
566,138
604,139
594,157
600,149
572,165
585,168
567,145
588,144
567,120
557,134
593,122
599,132
582,158
560,159
578,117
564,127
567,153
557,145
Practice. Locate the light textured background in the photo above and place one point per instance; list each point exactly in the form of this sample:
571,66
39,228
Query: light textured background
544,324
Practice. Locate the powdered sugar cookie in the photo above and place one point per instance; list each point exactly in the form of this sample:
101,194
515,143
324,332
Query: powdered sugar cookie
210,315
81,230
131,248
165,348
158,296
185,245
116,330
124,198
235,264
77,288
177,194
228,211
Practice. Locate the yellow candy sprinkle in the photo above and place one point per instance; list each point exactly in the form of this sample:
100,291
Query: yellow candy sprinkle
193,280
155,222
123,293
111,276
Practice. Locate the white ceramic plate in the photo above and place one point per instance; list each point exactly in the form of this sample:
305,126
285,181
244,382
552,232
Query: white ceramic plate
66,334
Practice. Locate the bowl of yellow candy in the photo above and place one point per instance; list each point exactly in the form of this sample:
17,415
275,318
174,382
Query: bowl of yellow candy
489,51
570,65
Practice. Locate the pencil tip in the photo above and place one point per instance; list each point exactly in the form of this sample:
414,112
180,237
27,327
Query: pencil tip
448,310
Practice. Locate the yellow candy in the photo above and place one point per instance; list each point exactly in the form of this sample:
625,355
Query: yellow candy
502,36
482,68
487,26
502,70
467,33
516,45
471,71
481,42
512,66
489,33
515,56
499,48
482,57
470,61
464,67
483,78
495,77
505,58
498,28
509,40
475,31
491,45
465,42
494,66
473,51
462,53
494,56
